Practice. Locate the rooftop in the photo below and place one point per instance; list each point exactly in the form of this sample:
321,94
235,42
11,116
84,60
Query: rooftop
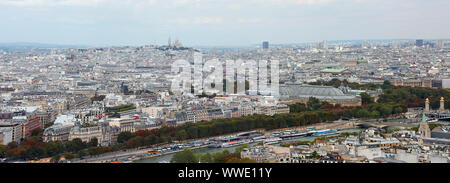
306,91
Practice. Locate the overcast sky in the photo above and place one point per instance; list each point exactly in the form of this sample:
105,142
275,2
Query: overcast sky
219,22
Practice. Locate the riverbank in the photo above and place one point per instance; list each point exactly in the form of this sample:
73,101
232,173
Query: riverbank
142,154
165,158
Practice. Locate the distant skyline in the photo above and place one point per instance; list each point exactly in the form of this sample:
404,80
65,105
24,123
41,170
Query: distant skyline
250,45
219,22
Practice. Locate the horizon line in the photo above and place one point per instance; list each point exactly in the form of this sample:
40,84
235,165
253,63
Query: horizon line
47,45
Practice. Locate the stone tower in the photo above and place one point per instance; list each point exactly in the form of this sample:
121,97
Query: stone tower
427,105
441,106
424,129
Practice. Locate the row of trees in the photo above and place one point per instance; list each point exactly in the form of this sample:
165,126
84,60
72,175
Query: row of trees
222,126
120,108
314,111
394,100
336,83
313,104
113,112
226,126
34,148
98,98
407,96
375,110
414,96
143,138
369,109
139,92
187,156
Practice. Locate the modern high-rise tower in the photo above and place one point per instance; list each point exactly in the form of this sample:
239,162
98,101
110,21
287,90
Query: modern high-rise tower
169,42
265,45
419,42
440,43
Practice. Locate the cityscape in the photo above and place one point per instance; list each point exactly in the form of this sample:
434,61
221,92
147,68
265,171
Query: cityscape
343,102
207,96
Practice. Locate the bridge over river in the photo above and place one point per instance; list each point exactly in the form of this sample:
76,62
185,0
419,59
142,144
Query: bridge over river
400,123
443,116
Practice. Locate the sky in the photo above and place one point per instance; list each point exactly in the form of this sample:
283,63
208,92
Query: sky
219,22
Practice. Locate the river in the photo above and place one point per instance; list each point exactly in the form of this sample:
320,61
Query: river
166,158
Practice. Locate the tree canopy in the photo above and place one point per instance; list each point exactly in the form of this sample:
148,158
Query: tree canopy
185,156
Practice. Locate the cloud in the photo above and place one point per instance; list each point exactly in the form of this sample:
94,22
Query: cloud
232,4
249,20
82,3
178,3
197,20
207,20
179,20
105,21
21,2
292,2
51,2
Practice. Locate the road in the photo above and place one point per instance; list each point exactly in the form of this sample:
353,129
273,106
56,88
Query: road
398,123
143,153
